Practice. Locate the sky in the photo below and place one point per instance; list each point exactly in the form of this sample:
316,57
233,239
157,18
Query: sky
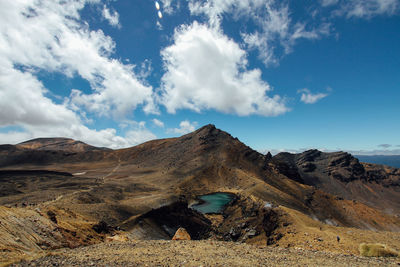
279,75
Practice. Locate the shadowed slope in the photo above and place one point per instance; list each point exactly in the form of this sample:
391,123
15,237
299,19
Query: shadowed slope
341,174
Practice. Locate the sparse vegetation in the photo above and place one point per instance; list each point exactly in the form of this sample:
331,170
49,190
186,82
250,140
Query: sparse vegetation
377,250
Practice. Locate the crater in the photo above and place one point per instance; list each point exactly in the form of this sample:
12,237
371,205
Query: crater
163,222
214,203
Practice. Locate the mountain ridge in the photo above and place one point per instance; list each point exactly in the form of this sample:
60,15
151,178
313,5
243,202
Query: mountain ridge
140,189
57,143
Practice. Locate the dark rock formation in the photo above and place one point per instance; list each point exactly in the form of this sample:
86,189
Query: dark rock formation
52,216
177,215
102,228
341,174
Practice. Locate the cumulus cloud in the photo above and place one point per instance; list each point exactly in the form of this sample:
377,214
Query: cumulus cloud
14,137
158,123
56,40
207,70
111,17
102,138
23,103
184,127
50,36
309,98
367,8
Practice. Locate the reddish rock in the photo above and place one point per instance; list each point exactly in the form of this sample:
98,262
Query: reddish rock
181,234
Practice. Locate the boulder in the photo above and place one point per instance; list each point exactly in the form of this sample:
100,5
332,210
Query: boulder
181,234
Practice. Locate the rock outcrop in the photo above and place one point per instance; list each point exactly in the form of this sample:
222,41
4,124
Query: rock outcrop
341,174
181,234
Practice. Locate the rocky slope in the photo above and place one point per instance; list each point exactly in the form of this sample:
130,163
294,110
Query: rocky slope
144,192
342,175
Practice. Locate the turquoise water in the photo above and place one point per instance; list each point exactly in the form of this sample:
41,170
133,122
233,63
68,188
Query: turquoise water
213,203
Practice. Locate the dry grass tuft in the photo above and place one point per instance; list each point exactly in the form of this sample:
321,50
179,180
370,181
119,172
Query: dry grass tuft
377,250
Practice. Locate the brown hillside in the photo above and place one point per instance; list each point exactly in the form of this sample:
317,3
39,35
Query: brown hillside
341,174
64,144
145,192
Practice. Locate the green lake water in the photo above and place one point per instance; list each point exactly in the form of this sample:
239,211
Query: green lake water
213,203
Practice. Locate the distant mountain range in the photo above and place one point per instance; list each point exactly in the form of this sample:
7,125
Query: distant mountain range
393,160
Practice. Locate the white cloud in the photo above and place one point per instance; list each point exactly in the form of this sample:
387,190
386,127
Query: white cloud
309,98
102,138
158,123
23,103
207,70
137,136
275,30
279,31
159,26
56,40
214,9
184,127
50,36
14,137
168,7
329,2
112,18
367,8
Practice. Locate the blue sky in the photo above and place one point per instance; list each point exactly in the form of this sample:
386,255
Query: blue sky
279,75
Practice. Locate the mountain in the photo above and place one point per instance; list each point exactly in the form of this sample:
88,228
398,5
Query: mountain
341,174
146,192
55,144
391,160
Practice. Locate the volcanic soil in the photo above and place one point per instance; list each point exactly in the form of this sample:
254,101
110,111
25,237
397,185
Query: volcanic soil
59,195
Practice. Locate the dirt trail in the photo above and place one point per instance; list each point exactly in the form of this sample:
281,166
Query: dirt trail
100,180
111,172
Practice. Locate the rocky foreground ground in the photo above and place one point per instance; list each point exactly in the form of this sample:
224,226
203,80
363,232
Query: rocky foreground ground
198,253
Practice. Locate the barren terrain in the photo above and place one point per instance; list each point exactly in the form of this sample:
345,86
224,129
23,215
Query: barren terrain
199,253
59,194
